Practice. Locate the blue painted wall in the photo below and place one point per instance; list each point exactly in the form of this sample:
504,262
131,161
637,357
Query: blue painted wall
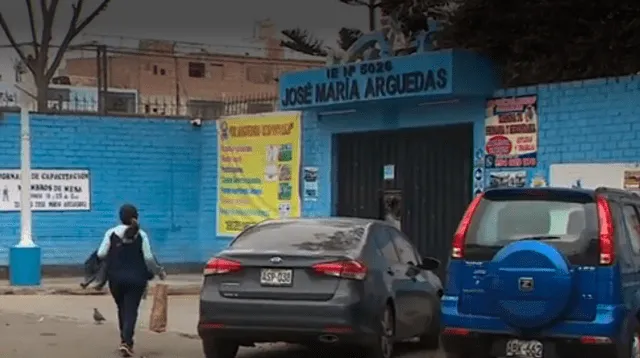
169,168
154,163
592,121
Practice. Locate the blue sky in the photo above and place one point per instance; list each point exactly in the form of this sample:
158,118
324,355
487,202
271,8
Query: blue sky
227,24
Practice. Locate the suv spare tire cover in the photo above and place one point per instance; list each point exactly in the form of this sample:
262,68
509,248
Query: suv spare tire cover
530,283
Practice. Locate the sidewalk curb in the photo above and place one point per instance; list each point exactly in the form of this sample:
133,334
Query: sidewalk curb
189,290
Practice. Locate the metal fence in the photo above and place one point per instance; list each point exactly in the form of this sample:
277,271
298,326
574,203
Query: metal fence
131,104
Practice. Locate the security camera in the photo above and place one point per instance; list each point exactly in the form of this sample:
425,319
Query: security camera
196,122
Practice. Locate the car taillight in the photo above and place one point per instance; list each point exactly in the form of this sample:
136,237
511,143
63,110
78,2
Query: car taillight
219,266
605,238
461,233
351,269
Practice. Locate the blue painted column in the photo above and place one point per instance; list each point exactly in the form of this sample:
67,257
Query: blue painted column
24,258
24,265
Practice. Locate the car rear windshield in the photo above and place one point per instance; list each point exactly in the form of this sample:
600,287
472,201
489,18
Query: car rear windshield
295,236
559,220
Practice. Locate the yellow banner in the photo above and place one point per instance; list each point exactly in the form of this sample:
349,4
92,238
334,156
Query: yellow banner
258,170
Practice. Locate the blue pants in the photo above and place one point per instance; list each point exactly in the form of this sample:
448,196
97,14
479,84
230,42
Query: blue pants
127,298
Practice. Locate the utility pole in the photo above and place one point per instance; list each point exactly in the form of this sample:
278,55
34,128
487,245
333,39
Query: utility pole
176,72
25,257
102,66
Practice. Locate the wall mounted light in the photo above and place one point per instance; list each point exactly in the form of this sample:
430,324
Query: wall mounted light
435,103
337,113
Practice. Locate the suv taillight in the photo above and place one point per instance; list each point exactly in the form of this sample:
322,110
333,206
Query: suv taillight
353,270
219,266
605,234
459,237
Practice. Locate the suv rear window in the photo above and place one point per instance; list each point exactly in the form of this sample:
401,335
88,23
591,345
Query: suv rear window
300,236
568,223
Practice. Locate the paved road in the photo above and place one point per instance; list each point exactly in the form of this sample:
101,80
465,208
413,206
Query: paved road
61,326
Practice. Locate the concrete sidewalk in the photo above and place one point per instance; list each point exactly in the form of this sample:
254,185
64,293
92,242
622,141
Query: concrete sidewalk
184,284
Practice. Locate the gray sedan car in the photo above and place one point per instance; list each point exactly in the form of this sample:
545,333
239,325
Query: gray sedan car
350,282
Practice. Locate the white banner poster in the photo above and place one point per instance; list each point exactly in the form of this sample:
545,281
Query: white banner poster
593,175
51,190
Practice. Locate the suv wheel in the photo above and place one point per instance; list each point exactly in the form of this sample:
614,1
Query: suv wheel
217,348
385,341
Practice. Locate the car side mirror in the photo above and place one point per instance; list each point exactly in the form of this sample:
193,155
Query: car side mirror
429,264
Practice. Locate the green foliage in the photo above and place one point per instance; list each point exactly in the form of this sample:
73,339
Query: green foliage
539,41
347,37
411,14
302,41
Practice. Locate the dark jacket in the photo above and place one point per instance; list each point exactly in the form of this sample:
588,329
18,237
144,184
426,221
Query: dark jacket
95,270
125,262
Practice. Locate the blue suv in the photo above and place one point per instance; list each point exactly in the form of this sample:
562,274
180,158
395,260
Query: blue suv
545,273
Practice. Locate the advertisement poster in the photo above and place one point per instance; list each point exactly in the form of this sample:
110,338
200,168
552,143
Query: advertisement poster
258,170
310,183
511,133
508,179
51,190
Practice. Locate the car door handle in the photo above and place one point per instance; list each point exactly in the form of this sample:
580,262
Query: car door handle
390,272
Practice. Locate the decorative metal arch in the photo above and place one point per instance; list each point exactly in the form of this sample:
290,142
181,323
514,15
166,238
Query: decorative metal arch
367,42
365,47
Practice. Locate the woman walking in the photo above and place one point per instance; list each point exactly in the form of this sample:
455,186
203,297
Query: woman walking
130,265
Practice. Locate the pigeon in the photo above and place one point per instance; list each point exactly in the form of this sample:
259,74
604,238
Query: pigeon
98,318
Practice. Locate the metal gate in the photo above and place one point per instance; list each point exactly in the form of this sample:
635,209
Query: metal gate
432,169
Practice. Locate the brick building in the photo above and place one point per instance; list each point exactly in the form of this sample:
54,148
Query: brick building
173,82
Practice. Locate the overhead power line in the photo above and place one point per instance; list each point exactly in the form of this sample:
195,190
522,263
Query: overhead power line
192,44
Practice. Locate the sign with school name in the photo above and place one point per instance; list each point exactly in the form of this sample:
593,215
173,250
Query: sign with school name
51,190
398,77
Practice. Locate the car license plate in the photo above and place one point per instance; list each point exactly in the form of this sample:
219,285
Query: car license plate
524,349
276,277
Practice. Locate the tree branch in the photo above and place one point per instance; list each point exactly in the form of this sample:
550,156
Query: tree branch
75,28
103,6
14,44
48,17
32,26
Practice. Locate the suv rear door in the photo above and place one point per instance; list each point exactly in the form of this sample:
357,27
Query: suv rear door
629,250
564,219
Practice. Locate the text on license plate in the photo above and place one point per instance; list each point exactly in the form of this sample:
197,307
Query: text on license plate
524,349
276,277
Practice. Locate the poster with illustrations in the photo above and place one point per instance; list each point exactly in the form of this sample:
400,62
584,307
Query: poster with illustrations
593,175
507,179
258,170
511,133
310,183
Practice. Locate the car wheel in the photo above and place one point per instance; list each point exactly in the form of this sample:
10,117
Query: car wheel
217,348
430,339
384,345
